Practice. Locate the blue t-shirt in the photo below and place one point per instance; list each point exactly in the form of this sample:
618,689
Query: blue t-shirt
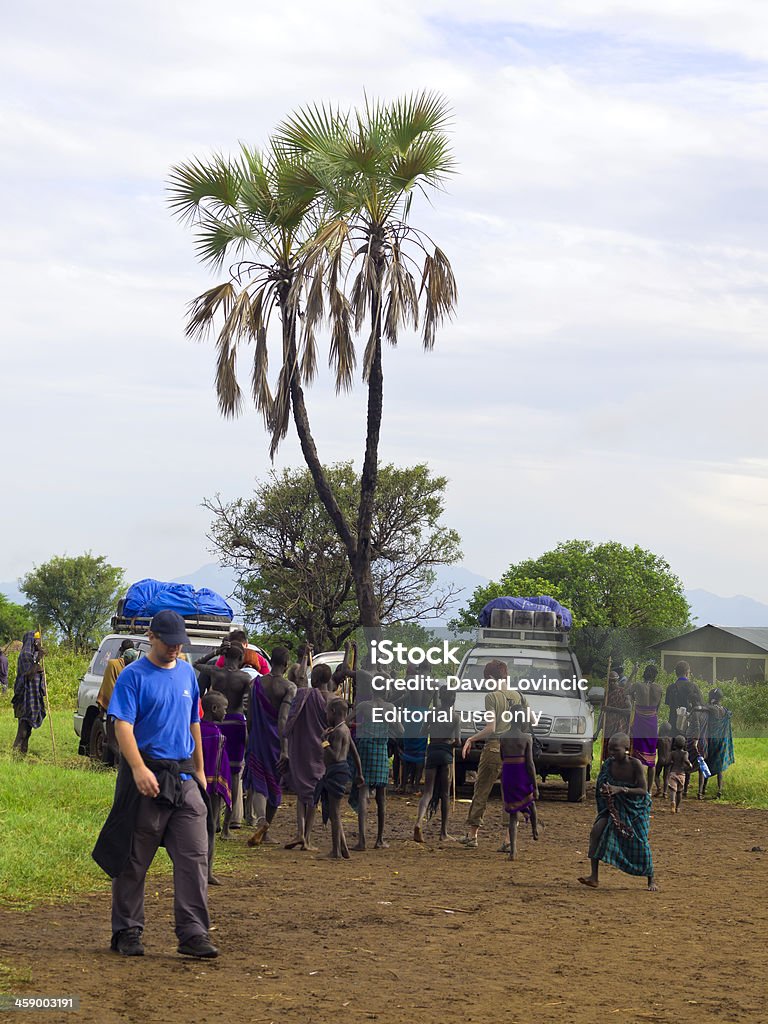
161,704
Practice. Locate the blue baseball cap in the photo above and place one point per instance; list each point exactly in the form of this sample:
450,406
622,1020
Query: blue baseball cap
169,627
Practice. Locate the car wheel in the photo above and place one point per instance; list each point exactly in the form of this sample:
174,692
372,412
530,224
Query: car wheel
577,785
97,742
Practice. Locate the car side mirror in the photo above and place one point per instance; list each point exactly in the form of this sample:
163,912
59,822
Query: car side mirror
596,694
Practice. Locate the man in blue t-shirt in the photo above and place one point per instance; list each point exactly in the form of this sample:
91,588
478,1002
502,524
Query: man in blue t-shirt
155,706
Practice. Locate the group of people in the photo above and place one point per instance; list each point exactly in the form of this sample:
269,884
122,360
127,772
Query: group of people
188,747
701,730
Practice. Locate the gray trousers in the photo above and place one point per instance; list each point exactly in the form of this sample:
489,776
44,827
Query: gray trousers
184,830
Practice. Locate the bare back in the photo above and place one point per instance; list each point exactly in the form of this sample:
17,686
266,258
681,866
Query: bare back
338,745
233,683
276,688
646,694
514,744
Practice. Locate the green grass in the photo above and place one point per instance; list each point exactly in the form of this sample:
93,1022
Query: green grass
51,814
12,976
746,782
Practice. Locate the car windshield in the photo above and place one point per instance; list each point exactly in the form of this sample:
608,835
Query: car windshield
553,677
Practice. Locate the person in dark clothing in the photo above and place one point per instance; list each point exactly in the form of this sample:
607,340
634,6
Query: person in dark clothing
3,672
28,691
160,795
683,693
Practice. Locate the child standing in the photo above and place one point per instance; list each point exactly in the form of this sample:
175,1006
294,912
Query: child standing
519,788
679,769
663,755
333,785
218,776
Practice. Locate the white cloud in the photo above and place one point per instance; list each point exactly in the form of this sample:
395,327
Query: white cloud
605,227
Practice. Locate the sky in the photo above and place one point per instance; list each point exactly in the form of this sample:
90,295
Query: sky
604,376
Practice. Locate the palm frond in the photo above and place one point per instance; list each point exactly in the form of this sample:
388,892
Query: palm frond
216,238
227,388
192,183
341,356
204,308
262,396
281,408
401,299
438,286
313,316
311,129
417,114
428,158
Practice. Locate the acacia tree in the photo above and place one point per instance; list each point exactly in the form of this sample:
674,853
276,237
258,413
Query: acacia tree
15,620
75,596
623,599
294,573
336,194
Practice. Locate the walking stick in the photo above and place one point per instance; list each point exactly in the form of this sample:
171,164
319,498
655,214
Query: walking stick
45,695
453,779
604,713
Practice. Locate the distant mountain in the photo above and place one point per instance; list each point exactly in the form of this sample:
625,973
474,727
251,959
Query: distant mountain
464,582
726,611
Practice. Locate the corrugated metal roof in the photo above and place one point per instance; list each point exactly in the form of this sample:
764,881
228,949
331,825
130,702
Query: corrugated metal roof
757,635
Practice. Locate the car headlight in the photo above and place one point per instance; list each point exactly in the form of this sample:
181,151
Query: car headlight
570,726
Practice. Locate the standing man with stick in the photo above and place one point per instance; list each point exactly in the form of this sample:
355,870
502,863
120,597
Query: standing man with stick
29,696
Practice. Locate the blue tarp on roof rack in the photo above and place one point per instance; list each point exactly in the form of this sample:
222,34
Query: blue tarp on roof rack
147,597
526,604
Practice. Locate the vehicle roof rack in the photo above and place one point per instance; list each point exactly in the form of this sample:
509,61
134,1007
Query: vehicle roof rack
195,625
552,635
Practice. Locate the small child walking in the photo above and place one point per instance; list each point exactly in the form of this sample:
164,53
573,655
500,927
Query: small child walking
519,788
679,769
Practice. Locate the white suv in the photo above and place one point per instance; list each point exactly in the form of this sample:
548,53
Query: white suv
87,721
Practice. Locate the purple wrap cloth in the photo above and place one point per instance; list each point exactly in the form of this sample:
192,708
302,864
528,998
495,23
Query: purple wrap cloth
517,786
644,734
304,731
215,762
235,733
263,751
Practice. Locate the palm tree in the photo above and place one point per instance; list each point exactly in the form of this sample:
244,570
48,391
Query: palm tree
243,208
324,210
369,165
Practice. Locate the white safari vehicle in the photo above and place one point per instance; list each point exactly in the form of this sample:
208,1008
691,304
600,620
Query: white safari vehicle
544,669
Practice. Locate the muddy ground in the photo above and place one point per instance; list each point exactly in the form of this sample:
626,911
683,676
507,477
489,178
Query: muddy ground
439,933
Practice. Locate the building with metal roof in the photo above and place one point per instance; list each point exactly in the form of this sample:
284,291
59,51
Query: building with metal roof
719,653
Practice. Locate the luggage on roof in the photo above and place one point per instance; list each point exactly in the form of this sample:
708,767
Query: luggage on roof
525,613
147,597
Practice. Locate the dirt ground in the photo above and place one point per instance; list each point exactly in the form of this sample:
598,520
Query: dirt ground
439,933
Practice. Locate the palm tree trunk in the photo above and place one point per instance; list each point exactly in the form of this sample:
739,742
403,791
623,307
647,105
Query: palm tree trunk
307,441
368,605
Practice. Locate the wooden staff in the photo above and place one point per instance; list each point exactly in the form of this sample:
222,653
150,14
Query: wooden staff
38,636
604,745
